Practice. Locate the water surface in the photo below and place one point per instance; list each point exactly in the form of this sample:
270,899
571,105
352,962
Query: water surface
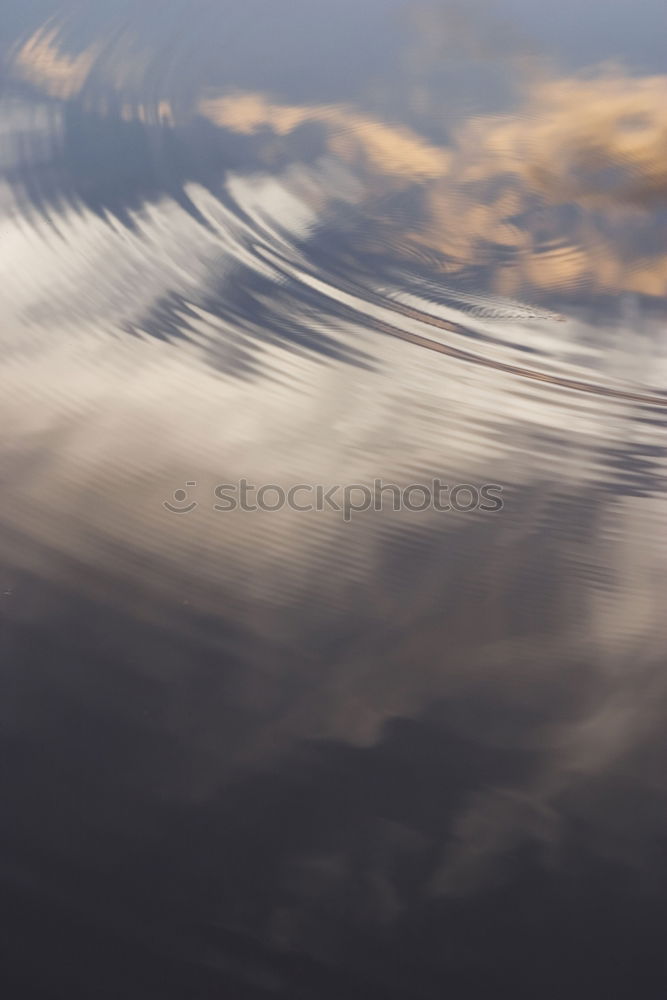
326,753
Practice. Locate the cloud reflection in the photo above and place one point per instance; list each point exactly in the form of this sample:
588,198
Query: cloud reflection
381,722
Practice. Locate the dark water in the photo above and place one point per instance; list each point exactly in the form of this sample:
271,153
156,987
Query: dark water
381,753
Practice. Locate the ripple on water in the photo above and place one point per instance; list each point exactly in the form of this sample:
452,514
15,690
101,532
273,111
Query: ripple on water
211,276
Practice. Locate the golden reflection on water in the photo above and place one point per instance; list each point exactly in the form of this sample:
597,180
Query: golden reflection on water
575,570
41,62
598,145
553,197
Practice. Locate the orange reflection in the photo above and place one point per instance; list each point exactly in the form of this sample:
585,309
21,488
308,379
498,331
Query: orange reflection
39,61
496,196
556,196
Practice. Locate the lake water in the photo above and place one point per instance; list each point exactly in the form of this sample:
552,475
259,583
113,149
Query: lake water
333,536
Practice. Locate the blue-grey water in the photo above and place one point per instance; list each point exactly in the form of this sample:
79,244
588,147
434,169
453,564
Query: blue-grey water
370,748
